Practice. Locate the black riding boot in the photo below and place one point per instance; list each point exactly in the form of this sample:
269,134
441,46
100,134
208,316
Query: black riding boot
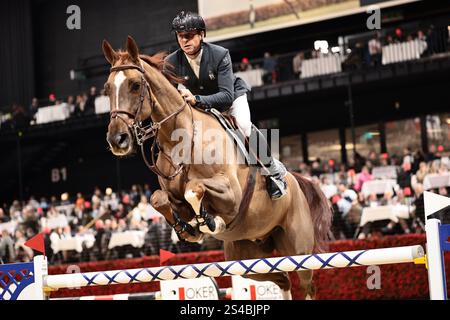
271,168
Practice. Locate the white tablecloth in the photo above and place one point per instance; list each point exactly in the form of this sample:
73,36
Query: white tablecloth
73,243
55,222
397,52
385,212
9,226
434,180
252,77
385,172
379,186
132,237
52,113
102,104
65,209
320,66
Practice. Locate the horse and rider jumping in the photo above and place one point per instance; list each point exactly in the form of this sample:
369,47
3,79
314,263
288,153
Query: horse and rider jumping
254,209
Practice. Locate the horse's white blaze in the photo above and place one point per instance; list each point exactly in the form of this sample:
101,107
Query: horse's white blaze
118,80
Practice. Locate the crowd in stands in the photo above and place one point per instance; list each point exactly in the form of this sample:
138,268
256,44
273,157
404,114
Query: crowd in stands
363,52
96,218
80,105
93,220
353,188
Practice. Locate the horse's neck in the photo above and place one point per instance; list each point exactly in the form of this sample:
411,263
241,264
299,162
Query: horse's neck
168,101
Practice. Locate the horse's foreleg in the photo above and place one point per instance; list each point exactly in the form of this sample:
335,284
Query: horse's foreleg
195,191
185,231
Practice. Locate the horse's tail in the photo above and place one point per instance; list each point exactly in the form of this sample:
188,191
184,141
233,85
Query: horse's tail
321,212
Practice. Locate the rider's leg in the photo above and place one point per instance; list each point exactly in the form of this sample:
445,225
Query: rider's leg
274,169
241,112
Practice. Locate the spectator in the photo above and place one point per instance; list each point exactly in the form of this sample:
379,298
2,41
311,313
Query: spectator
420,174
147,191
270,69
97,197
432,154
297,64
354,60
363,177
432,41
135,194
15,211
43,204
3,217
316,171
404,176
71,104
23,253
7,251
374,46
34,106
373,159
399,37
90,102
422,40
351,211
245,65
19,116
80,104
79,202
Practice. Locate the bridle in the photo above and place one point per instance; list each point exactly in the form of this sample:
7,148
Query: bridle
143,133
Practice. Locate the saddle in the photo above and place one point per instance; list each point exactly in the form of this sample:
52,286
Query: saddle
229,124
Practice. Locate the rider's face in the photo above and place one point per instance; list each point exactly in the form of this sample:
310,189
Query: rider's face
190,42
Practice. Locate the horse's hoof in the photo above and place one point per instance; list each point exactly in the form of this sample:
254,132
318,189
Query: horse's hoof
197,237
220,226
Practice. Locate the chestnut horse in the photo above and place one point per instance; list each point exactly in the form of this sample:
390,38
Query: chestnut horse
196,197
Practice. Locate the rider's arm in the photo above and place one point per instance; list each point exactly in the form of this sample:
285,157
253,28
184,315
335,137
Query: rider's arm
223,99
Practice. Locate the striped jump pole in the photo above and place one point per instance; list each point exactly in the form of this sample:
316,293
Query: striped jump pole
238,267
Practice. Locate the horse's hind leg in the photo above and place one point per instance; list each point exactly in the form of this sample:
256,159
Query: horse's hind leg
246,249
307,284
293,242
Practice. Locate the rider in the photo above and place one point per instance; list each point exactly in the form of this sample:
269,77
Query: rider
209,82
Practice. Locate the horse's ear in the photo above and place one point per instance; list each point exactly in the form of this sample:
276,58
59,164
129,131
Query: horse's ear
110,55
132,49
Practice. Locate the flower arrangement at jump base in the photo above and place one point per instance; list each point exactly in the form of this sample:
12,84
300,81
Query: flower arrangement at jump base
394,281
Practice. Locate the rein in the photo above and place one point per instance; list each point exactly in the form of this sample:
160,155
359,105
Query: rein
142,133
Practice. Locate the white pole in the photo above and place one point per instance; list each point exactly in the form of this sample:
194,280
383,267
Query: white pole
40,271
243,267
435,260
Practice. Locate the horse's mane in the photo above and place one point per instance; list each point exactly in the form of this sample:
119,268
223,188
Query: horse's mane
158,61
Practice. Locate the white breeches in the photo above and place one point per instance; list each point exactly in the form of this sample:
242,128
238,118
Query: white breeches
240,110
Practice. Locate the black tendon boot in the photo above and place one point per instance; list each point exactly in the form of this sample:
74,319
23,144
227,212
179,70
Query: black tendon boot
273,170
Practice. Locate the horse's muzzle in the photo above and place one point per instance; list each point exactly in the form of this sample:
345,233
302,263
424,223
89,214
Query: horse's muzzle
119,142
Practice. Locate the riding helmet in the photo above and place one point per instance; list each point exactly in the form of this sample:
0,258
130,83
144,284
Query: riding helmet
188,21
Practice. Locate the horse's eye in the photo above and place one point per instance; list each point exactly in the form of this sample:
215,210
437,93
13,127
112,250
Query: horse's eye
135,86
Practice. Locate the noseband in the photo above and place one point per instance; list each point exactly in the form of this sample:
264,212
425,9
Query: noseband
141,133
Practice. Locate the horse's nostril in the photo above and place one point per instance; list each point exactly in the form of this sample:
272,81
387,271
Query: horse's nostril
122,139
